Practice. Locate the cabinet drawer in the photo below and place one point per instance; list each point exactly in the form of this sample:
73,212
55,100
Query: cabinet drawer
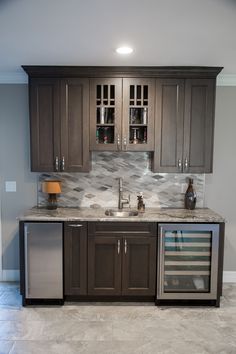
122,228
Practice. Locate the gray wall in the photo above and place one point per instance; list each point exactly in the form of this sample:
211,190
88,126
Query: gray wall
220,193
14,166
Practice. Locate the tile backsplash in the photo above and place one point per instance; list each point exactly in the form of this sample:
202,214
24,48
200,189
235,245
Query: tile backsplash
99,187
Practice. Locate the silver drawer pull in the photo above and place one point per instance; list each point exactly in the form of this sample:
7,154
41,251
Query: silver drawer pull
63,163
186,163
118,246
56,163
125,246
75,225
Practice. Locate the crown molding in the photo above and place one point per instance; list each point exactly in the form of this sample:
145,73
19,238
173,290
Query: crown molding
226,80
22,78
13,78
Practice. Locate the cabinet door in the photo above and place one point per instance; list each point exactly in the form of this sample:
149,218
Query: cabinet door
75,125
199,125
188,261
75,258
104,265
139,266
138,114
169,125
44,125
105,114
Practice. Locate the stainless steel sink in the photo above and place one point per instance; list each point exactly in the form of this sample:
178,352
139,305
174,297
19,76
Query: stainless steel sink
121,213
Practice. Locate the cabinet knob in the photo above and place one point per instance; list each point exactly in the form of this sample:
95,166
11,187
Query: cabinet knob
63,163
56,163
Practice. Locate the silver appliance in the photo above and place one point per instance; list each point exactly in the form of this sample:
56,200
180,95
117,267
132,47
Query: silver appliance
43,260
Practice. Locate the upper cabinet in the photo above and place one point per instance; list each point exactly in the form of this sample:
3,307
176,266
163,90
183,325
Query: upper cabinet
122,114
168,111
184,125
59,124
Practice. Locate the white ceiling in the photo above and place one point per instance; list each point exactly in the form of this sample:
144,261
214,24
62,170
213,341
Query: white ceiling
86,32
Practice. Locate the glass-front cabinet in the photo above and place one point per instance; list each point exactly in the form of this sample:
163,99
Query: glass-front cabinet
188,261
105,114
122,114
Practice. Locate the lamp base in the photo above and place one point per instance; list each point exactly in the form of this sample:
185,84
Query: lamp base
52,202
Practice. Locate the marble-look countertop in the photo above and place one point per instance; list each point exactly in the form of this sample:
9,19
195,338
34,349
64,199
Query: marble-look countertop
150,215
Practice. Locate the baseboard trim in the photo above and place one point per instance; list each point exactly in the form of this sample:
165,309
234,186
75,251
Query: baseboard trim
229,277
10,275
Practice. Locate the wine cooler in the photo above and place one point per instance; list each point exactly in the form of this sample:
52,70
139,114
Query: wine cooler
188,261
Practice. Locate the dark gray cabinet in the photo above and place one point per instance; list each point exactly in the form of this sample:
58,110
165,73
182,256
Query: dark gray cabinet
122,259
104,265
168,110
184,125
44,124
75,258
59,124
199,115
138,267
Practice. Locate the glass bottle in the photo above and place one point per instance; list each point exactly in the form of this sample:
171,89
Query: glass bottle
190,196
145,116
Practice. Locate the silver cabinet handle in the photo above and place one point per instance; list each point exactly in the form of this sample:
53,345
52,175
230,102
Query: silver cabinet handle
118,246
75,225
26,233
186,163
63,163
125,246
180,164
56,163
118,141
125,143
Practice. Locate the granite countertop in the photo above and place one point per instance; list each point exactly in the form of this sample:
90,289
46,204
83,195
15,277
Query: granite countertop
150,215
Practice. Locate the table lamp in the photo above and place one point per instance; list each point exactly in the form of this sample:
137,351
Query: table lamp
52,187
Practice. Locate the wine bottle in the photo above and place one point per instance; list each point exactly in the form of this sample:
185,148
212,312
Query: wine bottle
190,196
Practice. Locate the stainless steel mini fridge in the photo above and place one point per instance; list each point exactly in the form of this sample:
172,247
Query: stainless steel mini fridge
43,260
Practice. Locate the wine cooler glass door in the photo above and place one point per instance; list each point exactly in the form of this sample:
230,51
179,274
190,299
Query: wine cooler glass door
188,261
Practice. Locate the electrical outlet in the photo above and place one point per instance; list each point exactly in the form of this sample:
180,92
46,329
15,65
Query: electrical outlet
10,186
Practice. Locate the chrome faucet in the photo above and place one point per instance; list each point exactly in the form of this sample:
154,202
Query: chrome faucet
122,200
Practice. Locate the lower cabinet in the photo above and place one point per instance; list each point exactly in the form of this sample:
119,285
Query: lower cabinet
122,259
104,265
75,258
190,262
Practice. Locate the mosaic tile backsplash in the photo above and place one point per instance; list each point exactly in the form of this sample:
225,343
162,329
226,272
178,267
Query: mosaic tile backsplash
99,187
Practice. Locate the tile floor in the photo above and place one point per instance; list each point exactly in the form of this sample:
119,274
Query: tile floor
118,328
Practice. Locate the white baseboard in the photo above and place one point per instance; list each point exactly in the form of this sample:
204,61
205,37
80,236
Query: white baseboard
10,275
229,277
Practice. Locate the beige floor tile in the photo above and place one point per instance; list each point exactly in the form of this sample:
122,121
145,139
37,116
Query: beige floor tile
5,346
116,328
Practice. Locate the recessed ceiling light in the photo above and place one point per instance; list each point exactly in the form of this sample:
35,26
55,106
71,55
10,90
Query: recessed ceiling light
124,50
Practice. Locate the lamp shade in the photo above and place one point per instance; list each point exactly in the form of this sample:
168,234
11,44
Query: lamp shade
51,187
